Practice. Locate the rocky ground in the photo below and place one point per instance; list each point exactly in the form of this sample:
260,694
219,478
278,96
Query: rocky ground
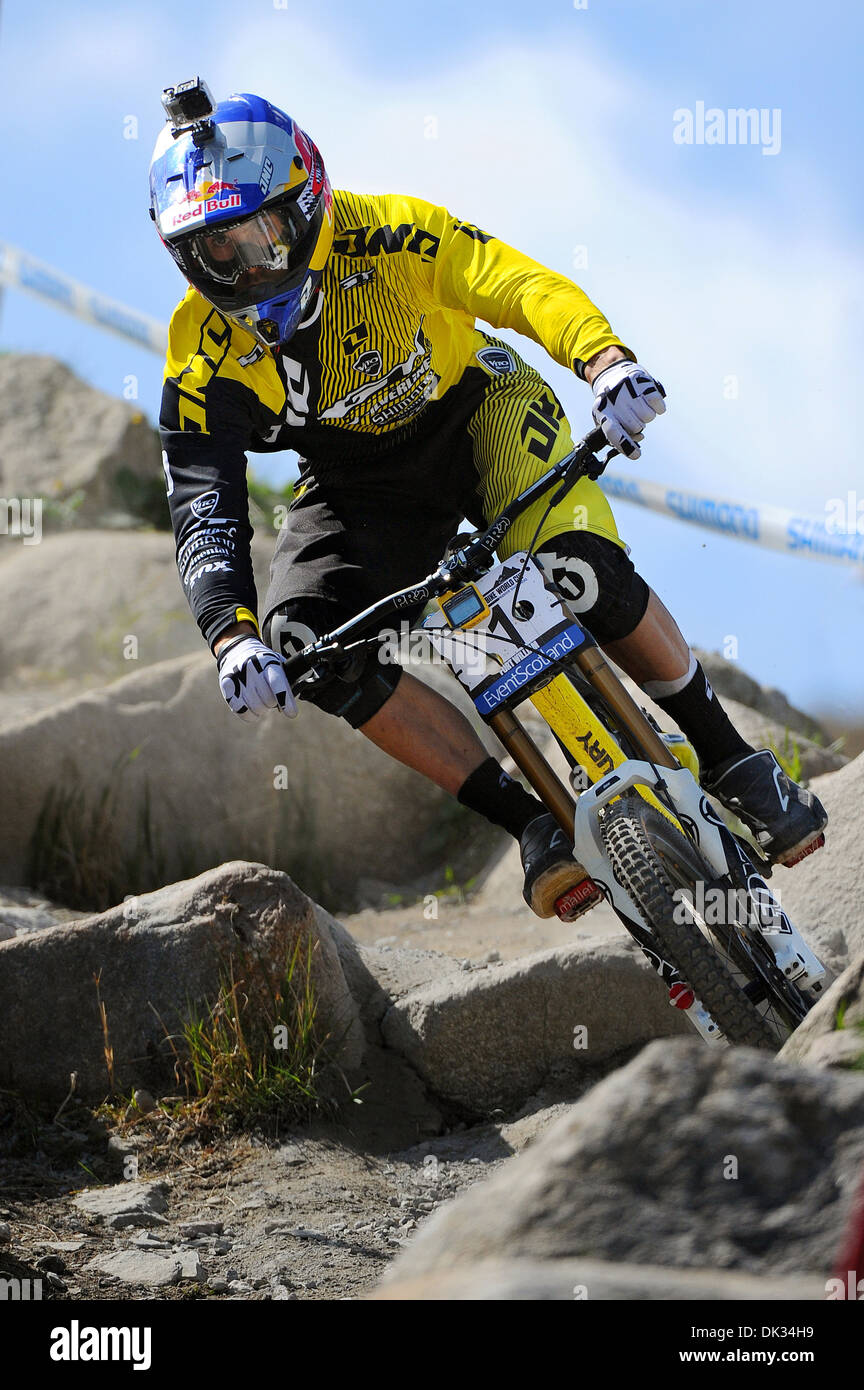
508,1107
317,1214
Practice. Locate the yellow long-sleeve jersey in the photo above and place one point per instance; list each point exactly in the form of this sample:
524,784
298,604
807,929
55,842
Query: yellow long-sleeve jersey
390,331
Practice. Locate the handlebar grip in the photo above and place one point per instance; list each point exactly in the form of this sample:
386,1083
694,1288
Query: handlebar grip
294,666
596,440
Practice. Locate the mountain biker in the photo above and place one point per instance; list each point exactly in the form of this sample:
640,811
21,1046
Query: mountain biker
343,325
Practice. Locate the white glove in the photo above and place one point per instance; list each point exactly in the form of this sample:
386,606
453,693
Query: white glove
626,397
252,679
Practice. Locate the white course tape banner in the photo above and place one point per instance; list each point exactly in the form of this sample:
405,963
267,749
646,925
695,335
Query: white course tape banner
771,527
24,272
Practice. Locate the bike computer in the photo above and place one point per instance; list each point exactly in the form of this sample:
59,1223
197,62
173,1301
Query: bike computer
465,608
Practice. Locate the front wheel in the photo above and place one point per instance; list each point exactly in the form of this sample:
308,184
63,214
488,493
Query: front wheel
653,862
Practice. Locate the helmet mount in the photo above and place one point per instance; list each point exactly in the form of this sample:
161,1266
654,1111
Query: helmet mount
188,107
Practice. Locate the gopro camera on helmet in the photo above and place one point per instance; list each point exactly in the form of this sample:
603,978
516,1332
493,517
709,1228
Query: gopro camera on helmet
188,106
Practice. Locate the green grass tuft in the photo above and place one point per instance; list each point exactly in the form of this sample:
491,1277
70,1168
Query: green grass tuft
255,1053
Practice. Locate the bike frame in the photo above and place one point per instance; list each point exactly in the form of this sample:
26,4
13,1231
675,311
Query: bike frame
655,774
567,712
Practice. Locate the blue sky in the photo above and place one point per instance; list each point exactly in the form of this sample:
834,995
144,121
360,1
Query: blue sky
554,129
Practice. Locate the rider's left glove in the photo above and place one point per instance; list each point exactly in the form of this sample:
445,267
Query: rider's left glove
252,679
626,397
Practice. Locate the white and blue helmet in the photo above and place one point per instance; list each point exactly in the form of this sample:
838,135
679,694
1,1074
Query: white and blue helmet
241,199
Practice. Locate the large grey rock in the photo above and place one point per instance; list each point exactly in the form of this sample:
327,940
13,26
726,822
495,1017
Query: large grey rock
491,1038
146,1267
824,893
88,455
125,1204
153,779
689,1156
157,957
832,1034
22,911
104,604
525,1280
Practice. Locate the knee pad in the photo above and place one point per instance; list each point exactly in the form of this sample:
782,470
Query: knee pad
355,695
598,580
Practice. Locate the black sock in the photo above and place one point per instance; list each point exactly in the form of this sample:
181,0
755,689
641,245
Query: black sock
502,800
701,718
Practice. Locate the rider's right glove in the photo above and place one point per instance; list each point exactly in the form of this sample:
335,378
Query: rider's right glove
626,397
252,679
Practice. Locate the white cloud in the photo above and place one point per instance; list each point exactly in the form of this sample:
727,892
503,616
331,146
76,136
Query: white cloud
536,144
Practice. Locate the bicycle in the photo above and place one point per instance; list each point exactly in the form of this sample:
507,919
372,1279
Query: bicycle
640,824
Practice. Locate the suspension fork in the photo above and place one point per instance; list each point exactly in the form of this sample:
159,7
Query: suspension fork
598,672
540,773
537,770
585,731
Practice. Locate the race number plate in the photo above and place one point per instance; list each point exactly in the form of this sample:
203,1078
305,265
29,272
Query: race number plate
501,657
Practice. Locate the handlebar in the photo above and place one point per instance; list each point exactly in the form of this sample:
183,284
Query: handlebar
471,561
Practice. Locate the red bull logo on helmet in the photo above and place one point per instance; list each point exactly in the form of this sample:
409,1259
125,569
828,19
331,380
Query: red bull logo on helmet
211,196
211,188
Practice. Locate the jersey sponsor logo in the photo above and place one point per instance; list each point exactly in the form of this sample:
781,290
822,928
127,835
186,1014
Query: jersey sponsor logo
360,277
370,363
497,360
205,551
362,241
297,387
540,427
474,232
394,396
222,566
255,355
354,339
206,504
